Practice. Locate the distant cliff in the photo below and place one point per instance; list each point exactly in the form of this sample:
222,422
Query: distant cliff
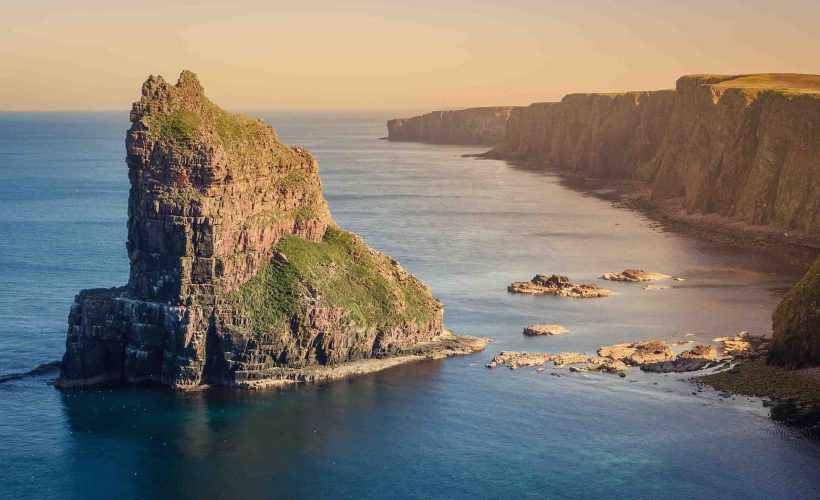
796,324
238,272
743,147
484,126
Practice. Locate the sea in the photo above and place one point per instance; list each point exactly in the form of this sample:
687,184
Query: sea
433,429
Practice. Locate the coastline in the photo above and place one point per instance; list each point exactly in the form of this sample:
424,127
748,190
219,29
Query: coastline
444,346
793,396
798,249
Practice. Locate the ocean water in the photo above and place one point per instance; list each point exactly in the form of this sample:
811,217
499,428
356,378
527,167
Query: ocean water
449,428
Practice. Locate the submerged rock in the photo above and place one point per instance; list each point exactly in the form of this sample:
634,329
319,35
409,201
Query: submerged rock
634,276
238,272
556,285
535,330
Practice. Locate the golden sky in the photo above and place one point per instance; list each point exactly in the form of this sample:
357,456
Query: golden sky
94,55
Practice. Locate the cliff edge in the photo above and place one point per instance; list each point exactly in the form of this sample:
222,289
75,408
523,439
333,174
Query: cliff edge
238,272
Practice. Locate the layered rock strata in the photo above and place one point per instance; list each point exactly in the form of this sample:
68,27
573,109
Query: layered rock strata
238,272
744,147
483,126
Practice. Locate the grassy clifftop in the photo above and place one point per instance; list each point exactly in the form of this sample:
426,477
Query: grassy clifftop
781,83
183,119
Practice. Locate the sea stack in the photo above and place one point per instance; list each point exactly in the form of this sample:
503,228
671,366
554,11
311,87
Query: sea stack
238,271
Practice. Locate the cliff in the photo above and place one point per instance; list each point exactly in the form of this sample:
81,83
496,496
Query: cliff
484,126
796,324
238,272
745,148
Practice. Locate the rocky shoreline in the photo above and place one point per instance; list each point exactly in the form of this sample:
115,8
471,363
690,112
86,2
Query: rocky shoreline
799,249
443,346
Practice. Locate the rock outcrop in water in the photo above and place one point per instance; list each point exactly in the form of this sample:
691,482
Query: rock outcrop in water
796,324
557,285
484,126
547,330
238,272
634,276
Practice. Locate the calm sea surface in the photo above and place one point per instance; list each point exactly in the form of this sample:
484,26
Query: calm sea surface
448,428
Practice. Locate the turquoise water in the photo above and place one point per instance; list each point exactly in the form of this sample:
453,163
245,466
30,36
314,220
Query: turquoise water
448,428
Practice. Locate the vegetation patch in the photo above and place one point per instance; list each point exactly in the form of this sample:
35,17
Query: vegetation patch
342,272
264,218
293,180
304,212
177,128
756,378
182,197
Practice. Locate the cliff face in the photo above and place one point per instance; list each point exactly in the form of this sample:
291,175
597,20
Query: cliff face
237,269
796,324
602,135
743,147
483,126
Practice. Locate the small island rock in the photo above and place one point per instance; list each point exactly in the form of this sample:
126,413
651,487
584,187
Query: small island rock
634,276
549,330
557,285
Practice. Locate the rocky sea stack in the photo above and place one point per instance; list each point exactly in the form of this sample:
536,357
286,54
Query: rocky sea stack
238,272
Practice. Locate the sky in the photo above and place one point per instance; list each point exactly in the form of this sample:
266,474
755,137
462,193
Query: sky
305,54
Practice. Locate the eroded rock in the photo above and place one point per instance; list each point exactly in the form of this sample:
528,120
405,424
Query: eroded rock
638,353
744,345
634,276
556,285
535,330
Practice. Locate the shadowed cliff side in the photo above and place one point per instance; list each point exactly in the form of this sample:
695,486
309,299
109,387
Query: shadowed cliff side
238,272
796,324
483,126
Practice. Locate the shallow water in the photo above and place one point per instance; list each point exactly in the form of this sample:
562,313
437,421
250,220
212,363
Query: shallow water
447,428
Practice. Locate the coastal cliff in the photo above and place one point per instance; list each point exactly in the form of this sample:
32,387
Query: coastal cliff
483,126
745,148
796,324
238,272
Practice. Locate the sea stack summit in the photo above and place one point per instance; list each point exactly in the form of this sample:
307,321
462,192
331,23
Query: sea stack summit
238,272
